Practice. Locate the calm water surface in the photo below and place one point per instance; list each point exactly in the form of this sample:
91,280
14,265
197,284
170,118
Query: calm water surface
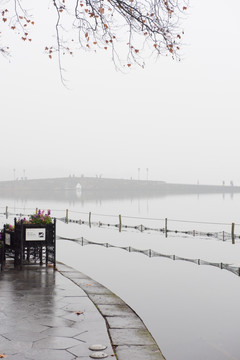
192,311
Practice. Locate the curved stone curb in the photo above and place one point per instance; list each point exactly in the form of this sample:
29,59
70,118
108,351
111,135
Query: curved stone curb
129,336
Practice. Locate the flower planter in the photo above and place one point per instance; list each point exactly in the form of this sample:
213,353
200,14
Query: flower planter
31,243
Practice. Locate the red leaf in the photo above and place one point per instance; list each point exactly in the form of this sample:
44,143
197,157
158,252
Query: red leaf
78,312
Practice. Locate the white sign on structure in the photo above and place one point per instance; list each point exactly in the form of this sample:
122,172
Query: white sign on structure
7,239
35,234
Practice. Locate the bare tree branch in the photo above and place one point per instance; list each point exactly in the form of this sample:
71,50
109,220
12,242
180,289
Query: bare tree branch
130,29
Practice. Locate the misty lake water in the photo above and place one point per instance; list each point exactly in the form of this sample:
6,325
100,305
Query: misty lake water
192,311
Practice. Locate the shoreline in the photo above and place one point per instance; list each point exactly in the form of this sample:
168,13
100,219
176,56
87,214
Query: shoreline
62,313
128,334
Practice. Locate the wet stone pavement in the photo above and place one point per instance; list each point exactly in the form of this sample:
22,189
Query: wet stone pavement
58,315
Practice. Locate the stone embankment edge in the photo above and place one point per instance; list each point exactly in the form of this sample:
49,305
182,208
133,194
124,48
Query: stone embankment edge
129,336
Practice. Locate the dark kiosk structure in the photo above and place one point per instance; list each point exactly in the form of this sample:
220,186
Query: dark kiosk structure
30,244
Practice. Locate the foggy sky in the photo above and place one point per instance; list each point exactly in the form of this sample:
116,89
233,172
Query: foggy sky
180,120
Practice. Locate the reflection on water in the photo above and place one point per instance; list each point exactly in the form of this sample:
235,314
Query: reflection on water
77,195
191,311
198,207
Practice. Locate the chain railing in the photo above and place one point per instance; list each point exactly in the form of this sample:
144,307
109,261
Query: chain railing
220,235
152,253
165,229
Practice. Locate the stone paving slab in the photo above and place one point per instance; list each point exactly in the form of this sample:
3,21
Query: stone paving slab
115,310
106,299
91,287
131,337
150,352
125,322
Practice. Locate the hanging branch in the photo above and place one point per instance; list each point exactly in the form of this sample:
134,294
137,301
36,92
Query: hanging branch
130,29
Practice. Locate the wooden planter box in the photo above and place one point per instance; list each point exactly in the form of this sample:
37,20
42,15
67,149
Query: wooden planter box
31,243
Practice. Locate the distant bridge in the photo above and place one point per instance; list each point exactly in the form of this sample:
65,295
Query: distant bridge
80,183
104,185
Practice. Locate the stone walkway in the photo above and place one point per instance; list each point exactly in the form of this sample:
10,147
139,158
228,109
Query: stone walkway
58,315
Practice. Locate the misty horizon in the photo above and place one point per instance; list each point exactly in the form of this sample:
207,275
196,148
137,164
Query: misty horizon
179,120
101,176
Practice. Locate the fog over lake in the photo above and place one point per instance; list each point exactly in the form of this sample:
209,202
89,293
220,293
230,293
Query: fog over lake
192,311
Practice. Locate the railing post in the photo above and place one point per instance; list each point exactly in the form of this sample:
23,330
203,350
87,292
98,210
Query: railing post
6,212
89,219
232,232
223,235
54,240
166,227
120,223
21,246
66,219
